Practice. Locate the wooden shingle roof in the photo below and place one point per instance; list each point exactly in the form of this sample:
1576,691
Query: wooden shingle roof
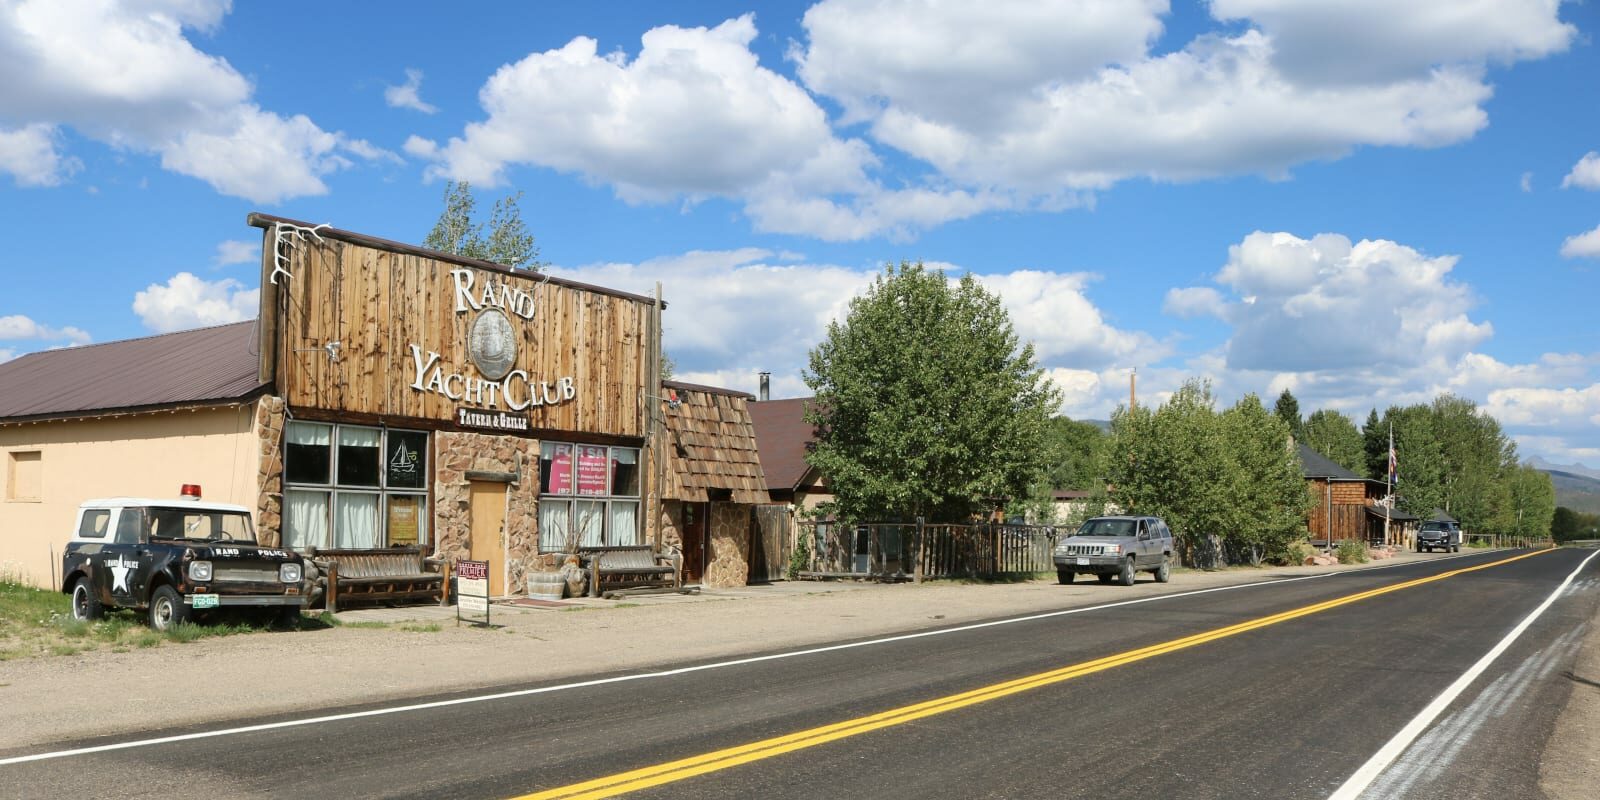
711,445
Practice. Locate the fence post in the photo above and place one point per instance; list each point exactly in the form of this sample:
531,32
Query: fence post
916,571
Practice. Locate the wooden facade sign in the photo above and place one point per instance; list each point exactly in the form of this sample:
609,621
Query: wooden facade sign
384,330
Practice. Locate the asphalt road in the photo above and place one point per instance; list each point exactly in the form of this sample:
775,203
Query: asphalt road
1282,690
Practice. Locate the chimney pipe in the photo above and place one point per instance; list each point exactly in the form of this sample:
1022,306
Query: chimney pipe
766,387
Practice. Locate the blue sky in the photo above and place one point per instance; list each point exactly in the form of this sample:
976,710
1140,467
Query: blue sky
1365,202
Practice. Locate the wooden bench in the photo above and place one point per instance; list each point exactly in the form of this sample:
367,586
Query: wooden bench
613,569
386,574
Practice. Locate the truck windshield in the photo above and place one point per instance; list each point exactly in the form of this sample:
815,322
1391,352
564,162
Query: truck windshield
192,523
1107,527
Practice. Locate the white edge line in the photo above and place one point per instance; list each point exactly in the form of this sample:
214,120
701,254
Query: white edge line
378,712
1386,755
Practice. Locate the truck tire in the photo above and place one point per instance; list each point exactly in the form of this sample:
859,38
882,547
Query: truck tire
85,603
1163,573
167,609
1126,576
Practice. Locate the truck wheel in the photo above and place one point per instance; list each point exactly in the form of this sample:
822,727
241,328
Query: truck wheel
1163,573
167,609
1125,577
85,603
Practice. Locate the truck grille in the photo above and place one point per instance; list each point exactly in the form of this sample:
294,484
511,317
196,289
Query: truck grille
1082,549
245,574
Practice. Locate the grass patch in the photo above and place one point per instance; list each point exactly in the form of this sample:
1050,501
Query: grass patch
333,621
427,627
1352,552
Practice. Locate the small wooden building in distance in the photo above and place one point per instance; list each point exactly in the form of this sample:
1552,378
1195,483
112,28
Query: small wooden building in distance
713,483
1343,500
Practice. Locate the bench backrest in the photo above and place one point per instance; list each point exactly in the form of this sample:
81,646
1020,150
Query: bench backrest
623,557
376,563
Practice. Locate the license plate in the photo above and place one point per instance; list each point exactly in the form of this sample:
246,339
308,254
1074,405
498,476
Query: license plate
204,601
1083,562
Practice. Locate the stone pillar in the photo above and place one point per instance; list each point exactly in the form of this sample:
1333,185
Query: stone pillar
457,453
728,545
269,481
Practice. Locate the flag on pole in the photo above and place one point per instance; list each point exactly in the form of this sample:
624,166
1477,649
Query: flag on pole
1394,466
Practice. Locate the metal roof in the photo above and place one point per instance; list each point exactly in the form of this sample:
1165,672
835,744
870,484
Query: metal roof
195,367
1316,465
782,435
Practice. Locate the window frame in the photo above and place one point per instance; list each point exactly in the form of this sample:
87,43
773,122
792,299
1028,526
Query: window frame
333,489
606,501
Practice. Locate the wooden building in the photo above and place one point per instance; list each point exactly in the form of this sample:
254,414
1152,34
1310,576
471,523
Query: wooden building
389,395
713,484
1348,506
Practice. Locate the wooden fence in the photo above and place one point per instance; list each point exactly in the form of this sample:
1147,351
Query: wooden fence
769,543
890,550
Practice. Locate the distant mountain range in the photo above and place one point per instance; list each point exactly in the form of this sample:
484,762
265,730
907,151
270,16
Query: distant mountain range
1577,492
1571,469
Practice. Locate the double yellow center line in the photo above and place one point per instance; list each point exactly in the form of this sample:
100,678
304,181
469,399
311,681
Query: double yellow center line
635,780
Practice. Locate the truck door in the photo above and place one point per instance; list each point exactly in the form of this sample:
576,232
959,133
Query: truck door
1143,542
124,568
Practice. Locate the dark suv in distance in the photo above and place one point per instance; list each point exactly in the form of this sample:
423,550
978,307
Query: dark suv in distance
1445,536
1116,547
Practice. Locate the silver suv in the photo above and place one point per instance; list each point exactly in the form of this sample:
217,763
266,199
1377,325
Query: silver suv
1117,547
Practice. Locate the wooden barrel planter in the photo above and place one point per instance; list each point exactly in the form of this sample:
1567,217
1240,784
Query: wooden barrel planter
546,585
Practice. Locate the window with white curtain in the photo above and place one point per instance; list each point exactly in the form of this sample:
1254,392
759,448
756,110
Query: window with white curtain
588,496
354,486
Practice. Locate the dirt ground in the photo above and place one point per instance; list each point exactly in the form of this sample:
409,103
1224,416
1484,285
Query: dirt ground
421,649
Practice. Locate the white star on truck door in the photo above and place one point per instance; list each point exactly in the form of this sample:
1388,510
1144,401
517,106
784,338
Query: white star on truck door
119,573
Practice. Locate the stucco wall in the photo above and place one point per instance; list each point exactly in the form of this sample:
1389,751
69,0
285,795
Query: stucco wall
728,546
149,455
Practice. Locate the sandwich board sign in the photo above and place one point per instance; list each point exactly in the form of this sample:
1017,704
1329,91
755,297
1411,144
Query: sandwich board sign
472,591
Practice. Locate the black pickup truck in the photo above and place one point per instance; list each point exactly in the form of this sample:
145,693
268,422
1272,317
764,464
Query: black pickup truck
1445,536
172,558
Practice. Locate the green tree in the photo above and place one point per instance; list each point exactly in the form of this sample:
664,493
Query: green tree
1375,444
1477,461
926,404
1567,525
1335,436
1419,487
1075,450
1266,493
506,241
1532,501
1288,409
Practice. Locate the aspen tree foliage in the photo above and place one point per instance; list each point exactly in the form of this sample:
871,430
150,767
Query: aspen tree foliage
504,239
926,403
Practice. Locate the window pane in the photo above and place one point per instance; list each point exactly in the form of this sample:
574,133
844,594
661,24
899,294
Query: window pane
407,520
406,460
94,524
590,521
306,452
358,456
624,529
305,519
356,520
591,470
128,524
625,472
554,519
555,468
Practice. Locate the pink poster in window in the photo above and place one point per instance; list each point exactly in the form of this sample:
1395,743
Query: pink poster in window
561,470
591,470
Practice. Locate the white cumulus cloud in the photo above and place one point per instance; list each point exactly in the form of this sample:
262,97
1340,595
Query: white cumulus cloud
236,251
186,301
127,75
18,326
1583,245
1585,174
30,155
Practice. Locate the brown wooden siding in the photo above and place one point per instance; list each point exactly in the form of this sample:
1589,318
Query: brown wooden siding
377,303
1348,517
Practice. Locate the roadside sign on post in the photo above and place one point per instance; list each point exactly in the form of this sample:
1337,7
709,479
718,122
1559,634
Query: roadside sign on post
472,591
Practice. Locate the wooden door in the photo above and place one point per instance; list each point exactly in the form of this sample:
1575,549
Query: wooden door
694,542
487,543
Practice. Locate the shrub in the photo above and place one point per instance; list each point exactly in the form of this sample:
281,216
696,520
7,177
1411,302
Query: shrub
799,559
1352,552
1296,552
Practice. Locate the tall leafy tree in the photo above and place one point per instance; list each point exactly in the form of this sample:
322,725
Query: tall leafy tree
1334,435
1075,449
1288,409
926,402
1375,444
1532,501
504,239
1420,488
1267,494
1477,459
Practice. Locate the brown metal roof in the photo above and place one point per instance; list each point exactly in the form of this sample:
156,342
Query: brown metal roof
782,434
195,367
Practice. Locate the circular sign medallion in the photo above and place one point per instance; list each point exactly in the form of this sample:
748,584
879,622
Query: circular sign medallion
492,344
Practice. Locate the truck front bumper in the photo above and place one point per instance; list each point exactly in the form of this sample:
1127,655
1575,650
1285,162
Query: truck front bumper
1089,563
204,601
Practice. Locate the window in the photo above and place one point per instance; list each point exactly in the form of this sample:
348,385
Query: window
588,496
24,478
351,486
94,523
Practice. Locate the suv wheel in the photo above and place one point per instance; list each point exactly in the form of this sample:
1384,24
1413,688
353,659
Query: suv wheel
85,604
1125,577
167,609
1063,576
1163,573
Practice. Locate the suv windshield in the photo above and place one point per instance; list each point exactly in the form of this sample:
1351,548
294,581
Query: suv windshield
1107,527
191,523
1435,526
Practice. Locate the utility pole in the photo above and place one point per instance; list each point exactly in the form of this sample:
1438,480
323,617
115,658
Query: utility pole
1133,389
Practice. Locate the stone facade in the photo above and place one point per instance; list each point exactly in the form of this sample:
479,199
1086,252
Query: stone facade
728,545
269,499
454,455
